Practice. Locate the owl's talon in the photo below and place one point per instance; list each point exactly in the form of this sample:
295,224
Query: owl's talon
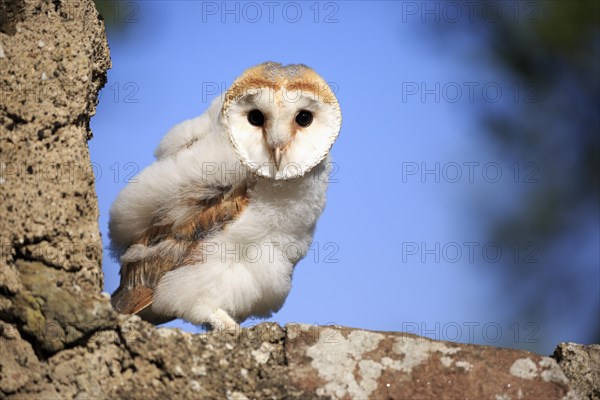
222,322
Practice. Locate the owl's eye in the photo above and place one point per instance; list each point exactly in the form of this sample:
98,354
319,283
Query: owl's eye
304,118
256,118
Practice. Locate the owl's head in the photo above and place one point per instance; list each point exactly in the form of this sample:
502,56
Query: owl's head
281,120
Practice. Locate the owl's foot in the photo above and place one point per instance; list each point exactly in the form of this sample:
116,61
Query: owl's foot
222,322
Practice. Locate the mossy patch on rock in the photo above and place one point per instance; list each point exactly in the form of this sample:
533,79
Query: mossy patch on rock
57,316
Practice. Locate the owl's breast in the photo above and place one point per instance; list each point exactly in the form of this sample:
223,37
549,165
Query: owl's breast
271,236
247,266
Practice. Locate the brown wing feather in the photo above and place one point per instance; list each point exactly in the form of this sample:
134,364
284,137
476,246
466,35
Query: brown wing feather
133,300
167,246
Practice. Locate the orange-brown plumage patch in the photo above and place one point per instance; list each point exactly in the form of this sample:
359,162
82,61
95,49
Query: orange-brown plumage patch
133,300
316,88
281,77
244,85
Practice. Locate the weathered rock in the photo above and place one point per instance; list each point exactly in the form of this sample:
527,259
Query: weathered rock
581,365
138,361
53,61
57,316
345,363
52,67
59,337
19,365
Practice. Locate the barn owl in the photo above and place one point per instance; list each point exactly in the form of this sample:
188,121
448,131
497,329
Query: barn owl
212,230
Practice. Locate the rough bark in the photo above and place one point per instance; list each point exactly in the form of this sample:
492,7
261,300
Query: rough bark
59,337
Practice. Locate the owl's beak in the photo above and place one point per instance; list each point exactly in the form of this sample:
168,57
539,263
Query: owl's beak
276,153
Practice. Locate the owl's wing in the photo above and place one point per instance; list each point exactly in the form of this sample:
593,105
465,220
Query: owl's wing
174,239
188,132
197,155
183,135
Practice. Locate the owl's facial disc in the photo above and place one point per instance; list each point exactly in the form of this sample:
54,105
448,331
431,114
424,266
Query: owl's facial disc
280,133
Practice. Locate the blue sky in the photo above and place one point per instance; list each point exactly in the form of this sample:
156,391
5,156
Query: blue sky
407,109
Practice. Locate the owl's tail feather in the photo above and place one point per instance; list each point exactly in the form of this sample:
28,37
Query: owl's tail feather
137,300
